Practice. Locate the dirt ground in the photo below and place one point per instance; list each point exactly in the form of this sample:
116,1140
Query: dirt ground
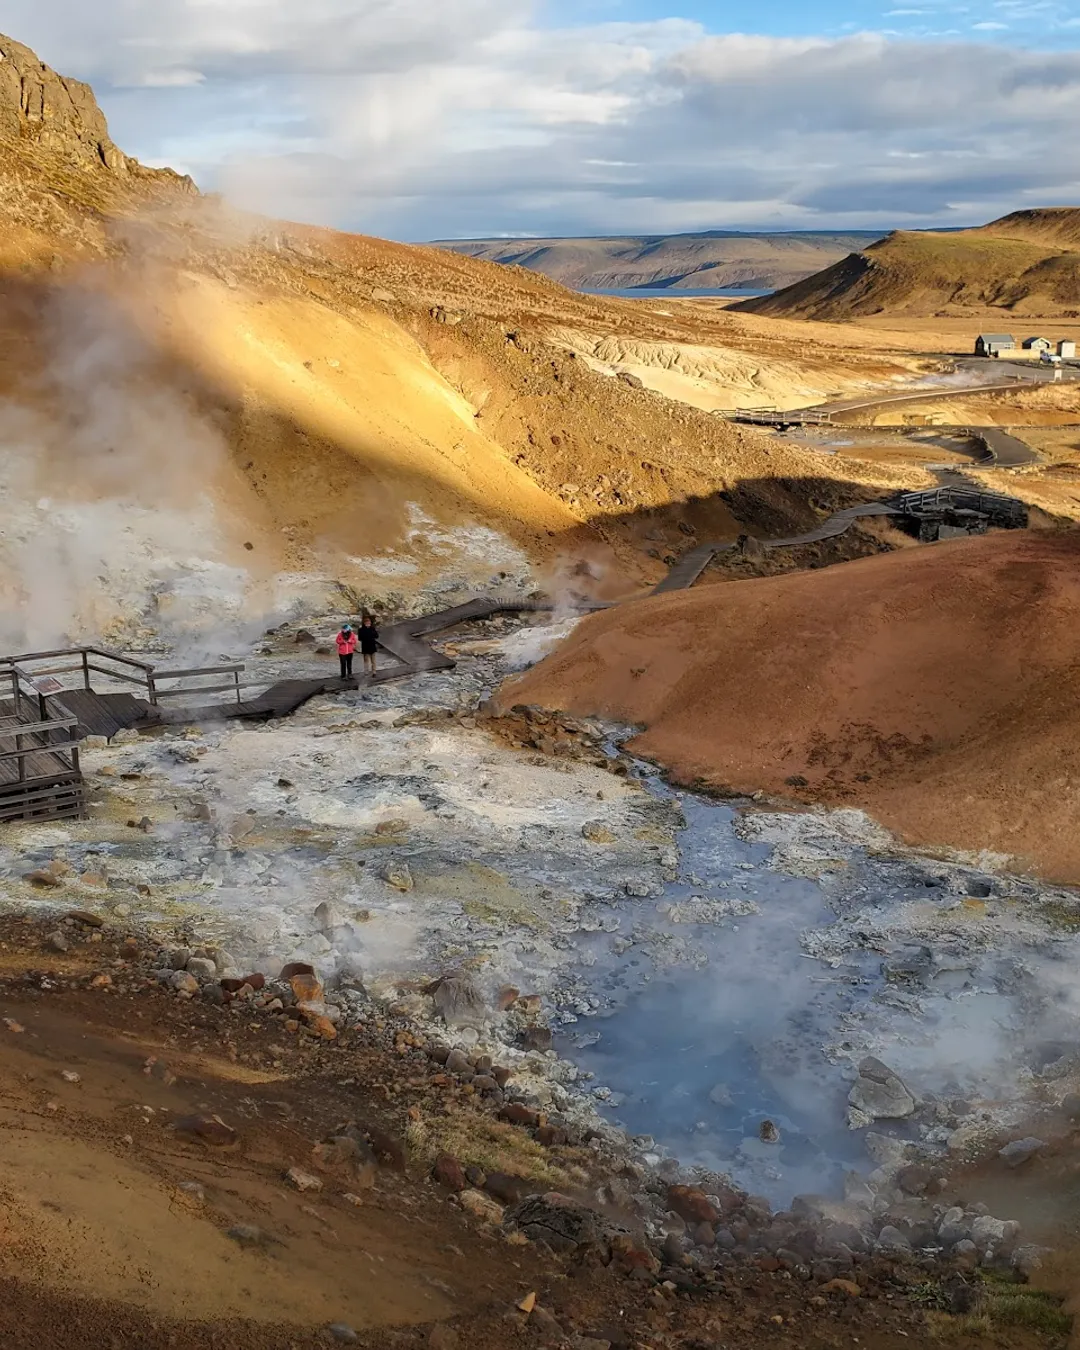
934,687
116,1219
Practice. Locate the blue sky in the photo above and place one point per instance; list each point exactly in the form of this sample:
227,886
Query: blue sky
422,119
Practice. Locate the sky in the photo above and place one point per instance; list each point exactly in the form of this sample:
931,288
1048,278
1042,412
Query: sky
426,119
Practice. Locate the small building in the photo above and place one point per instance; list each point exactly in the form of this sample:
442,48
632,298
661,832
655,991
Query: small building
993,344
1037,344
1066,349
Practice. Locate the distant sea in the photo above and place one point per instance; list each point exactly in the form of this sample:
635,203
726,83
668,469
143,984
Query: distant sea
671,293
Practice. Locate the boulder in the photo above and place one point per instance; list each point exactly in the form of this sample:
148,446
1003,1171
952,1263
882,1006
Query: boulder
880,1093
460,1002
557,1220
1021,1151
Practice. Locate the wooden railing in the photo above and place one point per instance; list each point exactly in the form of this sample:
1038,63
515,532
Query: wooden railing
86,662
35,729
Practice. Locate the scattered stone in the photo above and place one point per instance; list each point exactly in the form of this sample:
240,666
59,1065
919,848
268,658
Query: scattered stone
70,1076
296,968
517,1114
184,983
848,1287
449,1172
457,1061
306,989
769,1133
527,1304
880,1093
460,1002
596,832
507,997
398,875
443,1338
891,1241
914,1179
476,1176
986,1232
506,1187
328,917
194,1189
1021,1151
692,1204
57,942
16,1028
87,919
536,1038
256,983
210,1130
202,968
46,876
302,1181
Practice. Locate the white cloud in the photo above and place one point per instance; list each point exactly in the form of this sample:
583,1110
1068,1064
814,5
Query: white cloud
422,120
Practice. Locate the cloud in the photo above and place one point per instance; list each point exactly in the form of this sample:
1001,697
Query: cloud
422,121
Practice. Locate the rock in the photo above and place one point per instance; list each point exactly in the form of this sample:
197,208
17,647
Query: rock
485,1085
481,1206
395,825
328,917
1028,1258
296,968
1021,1151
914,1179
387,1149
255,982
506,1187
178,958
692,1204
847,1287
457,1061
460,1002
596,832
536,1038
704,1235
348,1158
880,1093
44,876
184,983
302,1181
87,919
545,1326
210,1130
986,1232
557,1220
552,1136
321,1026
306,988
476,1176
507,997
890,1241
341,1331
70,1076
202,968
398,875
57,942
449,1172
966,1255
768,1133
515,1113
954,1227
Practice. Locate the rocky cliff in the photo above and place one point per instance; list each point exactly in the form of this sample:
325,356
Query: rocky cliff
60,114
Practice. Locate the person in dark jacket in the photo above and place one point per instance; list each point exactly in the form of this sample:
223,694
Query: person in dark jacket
369,642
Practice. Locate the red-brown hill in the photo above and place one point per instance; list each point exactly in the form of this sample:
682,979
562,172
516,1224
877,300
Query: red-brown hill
937,688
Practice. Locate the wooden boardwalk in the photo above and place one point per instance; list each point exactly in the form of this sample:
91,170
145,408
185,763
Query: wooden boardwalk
40,778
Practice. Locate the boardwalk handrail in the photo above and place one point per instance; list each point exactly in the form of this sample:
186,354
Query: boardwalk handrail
141,674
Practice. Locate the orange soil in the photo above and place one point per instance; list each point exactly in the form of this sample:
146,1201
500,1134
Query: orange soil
937,688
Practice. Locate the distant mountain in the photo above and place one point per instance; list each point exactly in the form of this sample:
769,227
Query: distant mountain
1026,263
714,259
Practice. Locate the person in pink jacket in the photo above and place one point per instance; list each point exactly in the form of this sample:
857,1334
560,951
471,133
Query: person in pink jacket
346,649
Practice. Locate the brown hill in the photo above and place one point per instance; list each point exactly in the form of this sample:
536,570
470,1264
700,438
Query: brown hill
715,259
1027,263
936,688
194,393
